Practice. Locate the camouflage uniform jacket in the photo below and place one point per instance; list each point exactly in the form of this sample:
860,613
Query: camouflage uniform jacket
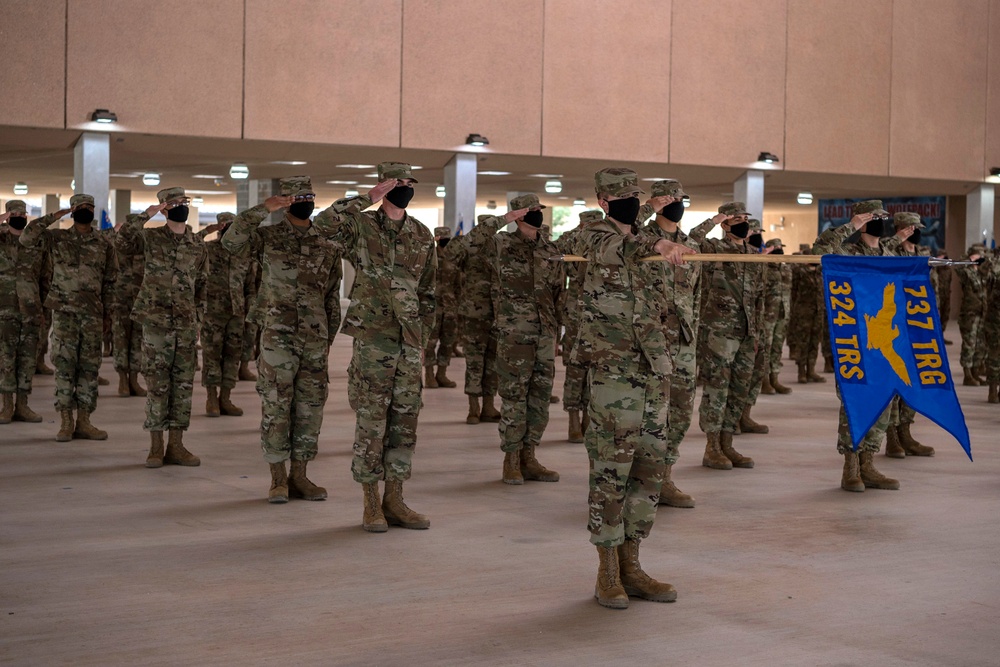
300,274
131,269
396,265
173,277
974,280
777,291
807,292
834,241
21,271
526,283
569,301
733,292
477,289
448,283
622,305
83,267
229,282
682,289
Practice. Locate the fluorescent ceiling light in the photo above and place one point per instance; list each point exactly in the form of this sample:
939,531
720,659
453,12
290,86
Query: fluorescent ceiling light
494,173
291,163
804,198
545,175
553,187
209,177
150,179
20,188
351,193
196,201
342,182
440,191
239,171
579,201
355,166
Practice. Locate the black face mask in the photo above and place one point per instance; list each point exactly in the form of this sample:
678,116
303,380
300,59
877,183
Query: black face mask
980,261
779,251
534,218
443,242
400,196
915,237
673,212
178,214
18,222
625,210
302,209
880,227
83,216
756,240
739,229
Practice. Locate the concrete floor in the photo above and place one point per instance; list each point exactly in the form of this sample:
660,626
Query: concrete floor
105,562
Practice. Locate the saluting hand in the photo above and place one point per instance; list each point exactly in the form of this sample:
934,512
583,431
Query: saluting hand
719,218
659,202
905,233
382,189
62,213
277,202
155,208
512,216
4,216
861,219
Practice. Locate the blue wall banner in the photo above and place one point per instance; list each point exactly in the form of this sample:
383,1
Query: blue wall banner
837,212
886,338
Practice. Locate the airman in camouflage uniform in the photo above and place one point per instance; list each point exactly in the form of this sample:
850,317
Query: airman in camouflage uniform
576,393
527,288
876,226
390,317
251,332
621,343
167,305
730,313
973,280
480,343
228,290
991,329
762,357
297,309
83,275
941,280
442,336
777,308
21,271
807,320
126,332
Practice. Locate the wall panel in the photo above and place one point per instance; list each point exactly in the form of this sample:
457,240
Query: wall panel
32,62
993,93
472,66
839,65
938,89
332,77
607,80
163,72
727,82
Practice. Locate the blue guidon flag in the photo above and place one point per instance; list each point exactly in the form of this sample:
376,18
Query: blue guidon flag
886,337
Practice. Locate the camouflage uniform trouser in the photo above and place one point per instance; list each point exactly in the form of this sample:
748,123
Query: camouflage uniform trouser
168,360
442,339
804,338
526,369
626,443
127,341
18,351
76,355
726,370
900,412
251,341
292,380
969,325
480,358
221,350
388,405
760,368
826,347
872,441
991,327
778,344
43,333
682,389
576,392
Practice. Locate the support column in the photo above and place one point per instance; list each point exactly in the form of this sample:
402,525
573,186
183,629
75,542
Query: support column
749,188
460,191
254,191
121,206
979,215
50,204
92,169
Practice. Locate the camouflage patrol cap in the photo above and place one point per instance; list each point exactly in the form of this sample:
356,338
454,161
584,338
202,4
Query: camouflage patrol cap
593,215
734,208
617,182
976,249
869,206
15,205
387,170
77,200
167,194
805,247
225,218
525,201
295,185
668,188
442,231
907,219
771,243
755,225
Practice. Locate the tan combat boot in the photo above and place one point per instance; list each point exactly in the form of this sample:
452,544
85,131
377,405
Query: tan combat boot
636,582
765,385
910,444
442,378
473,416
969,379
851,480
430,382
177,454
489,412
726,444
553,399
85,430
748,425
532,470
278,493
512,468
226,406
103,381
803,374
778,387
66,426
893,449
827,365
245,374
22,413
994,396
123,389
212,402
299,485
575,428
6,408
813,375
670,495
395,510
714,458
41,368
155,457
871,477
135,389
373,520
608,590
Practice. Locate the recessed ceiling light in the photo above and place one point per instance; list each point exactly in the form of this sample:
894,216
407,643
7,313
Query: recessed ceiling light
494,173
239,171
150,179
687,203
491,205
545,175
415,166
290,163
355,166
440,191
342,182
804,198
20,188
196,201
208,177
372,175
651,180
351,193
563,197
553,187
579,201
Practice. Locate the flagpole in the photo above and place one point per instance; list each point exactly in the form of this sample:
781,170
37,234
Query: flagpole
757,259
